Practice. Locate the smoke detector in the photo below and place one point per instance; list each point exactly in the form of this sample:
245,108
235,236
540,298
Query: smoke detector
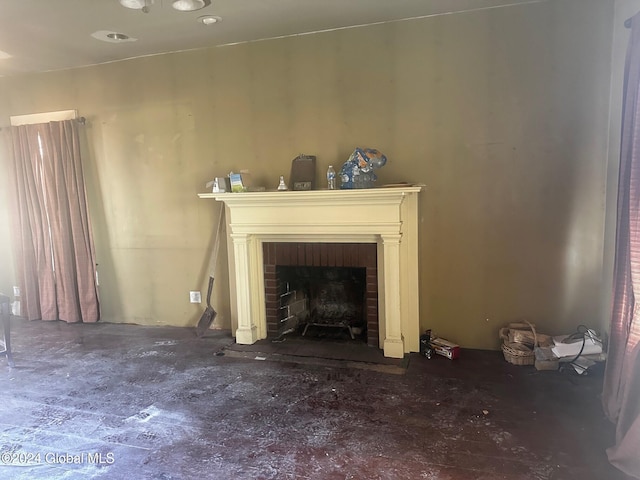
209,19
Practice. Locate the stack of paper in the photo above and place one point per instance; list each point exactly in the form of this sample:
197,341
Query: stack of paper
560,350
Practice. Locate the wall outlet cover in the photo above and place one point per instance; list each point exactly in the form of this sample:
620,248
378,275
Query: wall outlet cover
194,297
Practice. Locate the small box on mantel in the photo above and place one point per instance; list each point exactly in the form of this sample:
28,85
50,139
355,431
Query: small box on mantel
445,348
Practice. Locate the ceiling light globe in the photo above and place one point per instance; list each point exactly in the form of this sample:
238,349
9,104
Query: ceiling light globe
189,5
135,4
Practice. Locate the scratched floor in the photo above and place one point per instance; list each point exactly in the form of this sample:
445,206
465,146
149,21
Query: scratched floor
129,402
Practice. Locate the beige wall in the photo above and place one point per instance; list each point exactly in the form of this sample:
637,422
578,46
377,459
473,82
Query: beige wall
503,114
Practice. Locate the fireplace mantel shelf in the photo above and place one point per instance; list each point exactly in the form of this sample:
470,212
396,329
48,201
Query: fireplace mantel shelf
386,216
314,195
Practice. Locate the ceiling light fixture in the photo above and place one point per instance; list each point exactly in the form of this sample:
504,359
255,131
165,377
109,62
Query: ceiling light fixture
117,36
112,37
137,4
189,5
209,19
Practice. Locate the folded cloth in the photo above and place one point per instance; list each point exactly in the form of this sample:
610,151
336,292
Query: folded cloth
560,350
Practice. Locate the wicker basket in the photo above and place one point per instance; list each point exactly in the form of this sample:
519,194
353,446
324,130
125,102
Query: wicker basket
527,337
518,353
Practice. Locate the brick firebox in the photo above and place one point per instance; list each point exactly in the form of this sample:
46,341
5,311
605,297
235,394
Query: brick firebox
296,254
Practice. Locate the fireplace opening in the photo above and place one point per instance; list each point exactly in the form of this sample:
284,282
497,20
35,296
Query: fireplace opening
303,285
322,302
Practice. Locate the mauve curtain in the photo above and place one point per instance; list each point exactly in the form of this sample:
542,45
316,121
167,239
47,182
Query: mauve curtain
53,240
621,393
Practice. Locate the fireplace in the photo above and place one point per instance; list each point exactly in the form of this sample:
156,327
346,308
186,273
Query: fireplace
384,220
339,281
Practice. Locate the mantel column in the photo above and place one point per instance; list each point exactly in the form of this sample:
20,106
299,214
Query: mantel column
393,340
247,332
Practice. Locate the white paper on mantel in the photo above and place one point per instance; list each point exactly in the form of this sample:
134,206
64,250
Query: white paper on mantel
572,349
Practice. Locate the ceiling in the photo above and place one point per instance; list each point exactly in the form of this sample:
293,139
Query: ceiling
45,35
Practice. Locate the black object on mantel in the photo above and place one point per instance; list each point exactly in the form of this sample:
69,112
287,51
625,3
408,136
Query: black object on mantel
303,173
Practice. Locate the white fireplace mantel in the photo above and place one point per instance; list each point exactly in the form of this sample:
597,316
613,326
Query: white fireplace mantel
387,216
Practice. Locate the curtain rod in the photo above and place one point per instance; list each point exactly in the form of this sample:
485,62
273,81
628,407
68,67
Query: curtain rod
80,120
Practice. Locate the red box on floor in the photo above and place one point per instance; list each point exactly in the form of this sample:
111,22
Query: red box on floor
445,348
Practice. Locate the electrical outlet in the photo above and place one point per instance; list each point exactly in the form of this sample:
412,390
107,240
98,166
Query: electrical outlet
194,297
16,291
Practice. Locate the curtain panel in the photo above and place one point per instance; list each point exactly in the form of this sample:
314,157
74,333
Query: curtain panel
621,392
52,236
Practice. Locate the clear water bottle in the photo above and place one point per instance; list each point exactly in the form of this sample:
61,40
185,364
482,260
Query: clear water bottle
331,178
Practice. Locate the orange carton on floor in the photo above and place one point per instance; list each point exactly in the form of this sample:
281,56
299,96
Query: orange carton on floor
445,348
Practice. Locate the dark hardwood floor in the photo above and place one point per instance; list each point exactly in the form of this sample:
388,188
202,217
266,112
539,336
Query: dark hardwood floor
123,401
